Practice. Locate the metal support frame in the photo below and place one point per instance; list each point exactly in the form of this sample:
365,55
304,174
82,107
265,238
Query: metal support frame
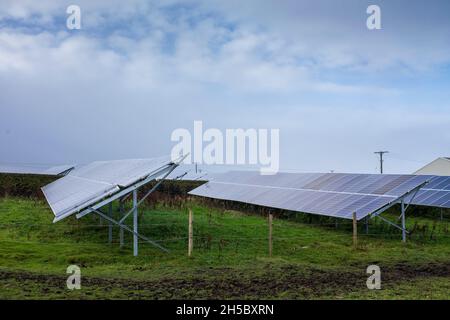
126,190
104,216
391,223
122,195
400,200
121,235
145,196
134,210
135,224
110,225
403,221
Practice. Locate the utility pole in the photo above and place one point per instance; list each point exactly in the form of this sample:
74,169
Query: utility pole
381,159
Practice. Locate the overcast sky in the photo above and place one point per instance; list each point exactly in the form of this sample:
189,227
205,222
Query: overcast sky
137,70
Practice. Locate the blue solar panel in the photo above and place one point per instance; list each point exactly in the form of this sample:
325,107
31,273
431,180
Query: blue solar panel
434,194
330,194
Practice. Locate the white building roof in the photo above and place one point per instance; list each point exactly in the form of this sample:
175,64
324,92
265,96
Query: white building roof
438,167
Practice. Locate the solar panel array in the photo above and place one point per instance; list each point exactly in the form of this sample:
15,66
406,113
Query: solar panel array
88,184
34,169
434,194
330,194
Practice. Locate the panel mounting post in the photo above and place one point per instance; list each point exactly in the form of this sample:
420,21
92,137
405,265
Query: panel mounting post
110,226
403,221
135,224
121,229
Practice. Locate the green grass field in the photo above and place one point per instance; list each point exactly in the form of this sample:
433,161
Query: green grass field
312,259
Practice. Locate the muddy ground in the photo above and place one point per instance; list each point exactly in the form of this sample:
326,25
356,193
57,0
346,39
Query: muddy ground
282,282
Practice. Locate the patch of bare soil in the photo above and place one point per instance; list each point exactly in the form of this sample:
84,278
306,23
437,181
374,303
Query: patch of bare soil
285,282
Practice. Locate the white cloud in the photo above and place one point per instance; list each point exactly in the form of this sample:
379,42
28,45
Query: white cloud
138,70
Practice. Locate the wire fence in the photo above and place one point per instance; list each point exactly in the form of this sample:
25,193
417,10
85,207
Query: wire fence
223,231
280,234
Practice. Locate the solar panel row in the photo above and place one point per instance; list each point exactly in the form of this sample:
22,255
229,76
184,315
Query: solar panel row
393,184
88,184
34,169
330,194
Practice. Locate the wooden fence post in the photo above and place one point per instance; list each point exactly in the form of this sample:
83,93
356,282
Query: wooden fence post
190,238
270,235
355,231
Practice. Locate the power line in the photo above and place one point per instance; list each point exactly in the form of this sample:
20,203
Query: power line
381,153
